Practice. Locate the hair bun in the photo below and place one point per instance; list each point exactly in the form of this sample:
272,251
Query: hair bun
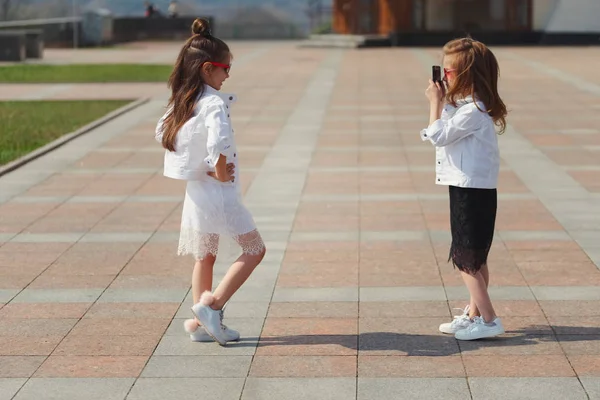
201,27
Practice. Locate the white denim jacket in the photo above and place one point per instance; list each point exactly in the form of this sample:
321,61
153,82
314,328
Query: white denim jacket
202,139
466,144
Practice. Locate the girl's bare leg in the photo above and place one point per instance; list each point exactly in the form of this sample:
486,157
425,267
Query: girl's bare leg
473,310
239,271
202,277
478,290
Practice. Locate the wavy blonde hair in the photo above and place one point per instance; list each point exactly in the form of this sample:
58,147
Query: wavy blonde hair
477,73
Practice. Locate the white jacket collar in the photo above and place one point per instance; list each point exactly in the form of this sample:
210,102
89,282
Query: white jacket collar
228,98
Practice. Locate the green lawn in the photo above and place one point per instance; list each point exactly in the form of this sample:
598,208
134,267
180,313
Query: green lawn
28,125
79,73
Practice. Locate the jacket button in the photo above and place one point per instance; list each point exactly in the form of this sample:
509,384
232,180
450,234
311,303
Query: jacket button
439,162
234,154
424,135
438,179
230,97
227,115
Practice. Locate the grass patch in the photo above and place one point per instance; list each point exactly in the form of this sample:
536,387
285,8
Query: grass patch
84,73
28,125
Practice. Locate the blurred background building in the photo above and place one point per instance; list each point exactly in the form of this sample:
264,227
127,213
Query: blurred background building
374,22
427,20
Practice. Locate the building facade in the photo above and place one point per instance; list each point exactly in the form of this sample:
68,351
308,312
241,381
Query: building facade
513,17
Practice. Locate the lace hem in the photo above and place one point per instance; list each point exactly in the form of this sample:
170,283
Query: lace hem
468,260
197,244
201,245
251,243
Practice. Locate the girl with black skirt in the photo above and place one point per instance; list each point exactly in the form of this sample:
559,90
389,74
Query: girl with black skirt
462,125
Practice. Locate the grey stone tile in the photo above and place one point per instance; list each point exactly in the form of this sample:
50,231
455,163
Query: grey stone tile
566,292
533,235
154,199
403,293
164,237
120,237
496,293
330,197
58,296
47,237
7,294
248,293
181,345
594,254
440,236
156,295
393,236
299,388
555,388
413,388
10,386
272,235
186,388
591,385
40,199
283,295
97,199
197,367
346,236
75,389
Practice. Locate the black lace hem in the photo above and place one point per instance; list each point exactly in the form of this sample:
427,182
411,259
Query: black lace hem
472,222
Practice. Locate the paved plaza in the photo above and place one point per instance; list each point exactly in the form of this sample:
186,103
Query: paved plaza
347,302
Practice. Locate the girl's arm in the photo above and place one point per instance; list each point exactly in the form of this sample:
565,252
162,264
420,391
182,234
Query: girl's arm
465,122
219,142
223,171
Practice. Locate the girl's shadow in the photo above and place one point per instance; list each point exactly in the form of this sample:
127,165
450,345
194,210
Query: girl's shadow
425,345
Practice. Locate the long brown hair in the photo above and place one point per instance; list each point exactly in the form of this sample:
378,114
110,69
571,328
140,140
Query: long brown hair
477,73
186,82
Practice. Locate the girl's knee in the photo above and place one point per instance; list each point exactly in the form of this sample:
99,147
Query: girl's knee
259,255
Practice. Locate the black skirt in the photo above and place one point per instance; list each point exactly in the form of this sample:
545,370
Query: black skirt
472,222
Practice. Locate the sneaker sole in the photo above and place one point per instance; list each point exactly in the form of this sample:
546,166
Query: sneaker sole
489,335
446,332
207,331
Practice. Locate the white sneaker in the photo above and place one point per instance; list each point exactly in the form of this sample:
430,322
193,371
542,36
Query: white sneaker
461,321
479,329
198,333
209,318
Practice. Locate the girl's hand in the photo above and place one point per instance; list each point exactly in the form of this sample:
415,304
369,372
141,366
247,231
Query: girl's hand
230,170
435,92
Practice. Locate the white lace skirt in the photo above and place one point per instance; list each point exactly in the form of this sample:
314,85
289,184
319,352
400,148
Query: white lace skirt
212,213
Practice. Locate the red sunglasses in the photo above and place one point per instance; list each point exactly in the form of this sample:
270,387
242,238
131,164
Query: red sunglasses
447,71
226,67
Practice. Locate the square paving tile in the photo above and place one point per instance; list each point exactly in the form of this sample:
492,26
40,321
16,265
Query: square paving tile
44,310
75,389
92,367
591,386
413,388
166,388
197,367
309,336
107,345
526,388
10,386
518,366
410,367
19,366
303,388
